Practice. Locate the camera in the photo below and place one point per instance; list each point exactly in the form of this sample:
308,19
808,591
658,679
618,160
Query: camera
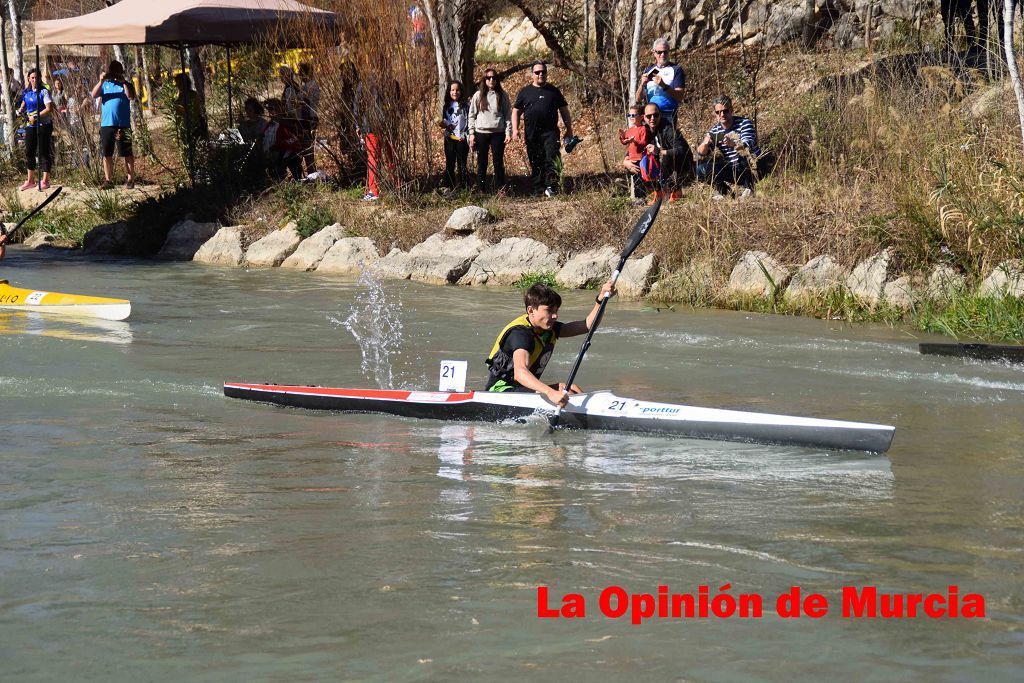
652,73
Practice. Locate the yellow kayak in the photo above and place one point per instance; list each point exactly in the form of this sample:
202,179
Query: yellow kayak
15,299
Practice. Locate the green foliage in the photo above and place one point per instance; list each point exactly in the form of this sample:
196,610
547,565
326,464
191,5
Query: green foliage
108,205
304,204
70,223
973,317
530,279
313,219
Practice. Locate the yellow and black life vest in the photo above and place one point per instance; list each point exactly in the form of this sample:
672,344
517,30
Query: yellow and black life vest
502,369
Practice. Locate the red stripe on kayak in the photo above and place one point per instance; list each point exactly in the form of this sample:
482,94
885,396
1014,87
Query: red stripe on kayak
384,394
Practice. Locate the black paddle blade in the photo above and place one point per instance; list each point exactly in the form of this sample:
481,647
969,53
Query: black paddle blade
640,230
33,212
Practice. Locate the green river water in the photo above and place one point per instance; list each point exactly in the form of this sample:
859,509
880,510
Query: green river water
153,530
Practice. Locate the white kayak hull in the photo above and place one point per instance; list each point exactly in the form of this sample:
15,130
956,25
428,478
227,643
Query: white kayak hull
595,410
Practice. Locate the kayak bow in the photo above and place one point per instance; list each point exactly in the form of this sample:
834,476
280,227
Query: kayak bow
15,299
596,410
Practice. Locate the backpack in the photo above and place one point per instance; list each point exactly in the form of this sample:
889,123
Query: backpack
650,169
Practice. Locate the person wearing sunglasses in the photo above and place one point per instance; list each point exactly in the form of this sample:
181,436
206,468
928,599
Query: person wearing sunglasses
670,150
490,129
538,106
662,83
635,139
730,152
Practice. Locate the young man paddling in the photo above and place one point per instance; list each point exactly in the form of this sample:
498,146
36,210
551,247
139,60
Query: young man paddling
524,346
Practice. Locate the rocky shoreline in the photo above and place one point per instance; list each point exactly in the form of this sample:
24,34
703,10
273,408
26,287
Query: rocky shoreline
457,255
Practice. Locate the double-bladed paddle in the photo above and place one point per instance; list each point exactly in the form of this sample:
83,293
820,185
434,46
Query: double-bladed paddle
639,233
10,233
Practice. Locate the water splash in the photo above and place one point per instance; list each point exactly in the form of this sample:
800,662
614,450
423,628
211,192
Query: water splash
375,320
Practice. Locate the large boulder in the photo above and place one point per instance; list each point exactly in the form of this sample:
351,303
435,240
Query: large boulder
944,282
223,249
587,269
748,275
272,250
867,281
466,220
820,274
312,249
436,260
695,282
348,256
185,238
110,238
509,260
637,276
899,293
1007,279
42,239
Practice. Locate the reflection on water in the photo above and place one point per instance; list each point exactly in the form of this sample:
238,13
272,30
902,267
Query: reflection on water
65,327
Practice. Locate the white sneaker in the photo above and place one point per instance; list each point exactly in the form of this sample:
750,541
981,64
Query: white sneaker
369,197
747,193
549,192
718,196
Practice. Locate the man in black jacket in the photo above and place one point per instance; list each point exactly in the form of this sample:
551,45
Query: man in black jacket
671,150
538,106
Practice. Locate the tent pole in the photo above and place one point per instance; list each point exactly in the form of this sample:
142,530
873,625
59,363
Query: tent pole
231,118
190,152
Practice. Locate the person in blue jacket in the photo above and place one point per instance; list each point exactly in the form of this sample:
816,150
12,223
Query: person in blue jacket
116,122
37,106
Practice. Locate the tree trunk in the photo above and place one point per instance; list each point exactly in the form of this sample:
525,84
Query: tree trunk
198,73
634,53
586,33
868,12
810,25
454,25
16,38
5,87
146,86
1011,60
603,43
676,20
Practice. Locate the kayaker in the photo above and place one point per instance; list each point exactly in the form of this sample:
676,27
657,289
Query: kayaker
524,346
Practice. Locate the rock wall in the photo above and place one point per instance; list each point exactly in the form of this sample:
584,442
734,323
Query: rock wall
507,36
840,23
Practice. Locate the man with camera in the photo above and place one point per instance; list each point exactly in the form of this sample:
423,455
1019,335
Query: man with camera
738,160
116,122
663,83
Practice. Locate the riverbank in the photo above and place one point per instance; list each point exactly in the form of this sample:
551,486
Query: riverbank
896,197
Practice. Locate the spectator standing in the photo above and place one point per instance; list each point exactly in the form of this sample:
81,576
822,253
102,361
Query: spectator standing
490,129
309,115
59,97
291,95
37,106
735,140
670,149
188,111
538,106
663,83
282,143
455,122
115,95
